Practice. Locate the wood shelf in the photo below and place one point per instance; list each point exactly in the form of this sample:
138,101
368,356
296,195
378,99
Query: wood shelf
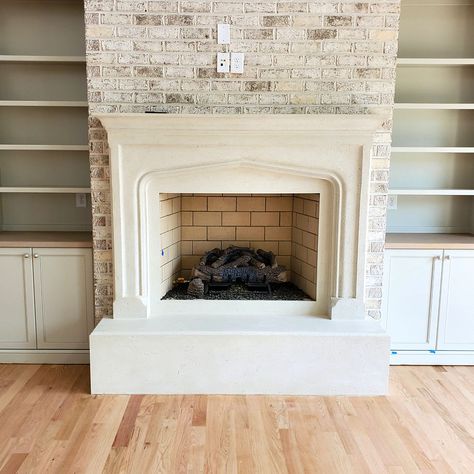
435,61
46,239
432,149
429,241
43,103
45,147
431,192
43,190
433,106
435,127
16,58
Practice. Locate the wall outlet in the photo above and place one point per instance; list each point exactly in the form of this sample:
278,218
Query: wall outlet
392,202
223,62
223,33
81,200
237,63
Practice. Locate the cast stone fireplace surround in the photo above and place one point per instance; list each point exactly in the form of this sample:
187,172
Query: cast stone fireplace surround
326,346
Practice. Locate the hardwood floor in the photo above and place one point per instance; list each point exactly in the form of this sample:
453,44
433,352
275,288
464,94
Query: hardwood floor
49,423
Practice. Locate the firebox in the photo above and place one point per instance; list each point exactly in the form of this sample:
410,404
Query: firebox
235,246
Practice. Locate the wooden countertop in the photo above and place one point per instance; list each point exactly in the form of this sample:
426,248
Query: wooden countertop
46,239
430,241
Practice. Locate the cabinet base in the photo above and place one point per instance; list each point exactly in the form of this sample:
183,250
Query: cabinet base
25,356
432,358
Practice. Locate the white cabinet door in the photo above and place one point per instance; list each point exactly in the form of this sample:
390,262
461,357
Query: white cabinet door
412,280
63,296
456,317
17,316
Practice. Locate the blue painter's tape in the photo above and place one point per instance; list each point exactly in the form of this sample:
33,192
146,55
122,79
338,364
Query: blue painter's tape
432,351
394,352
162,252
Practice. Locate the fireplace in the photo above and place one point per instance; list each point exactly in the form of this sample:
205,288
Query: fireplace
293,186
266,244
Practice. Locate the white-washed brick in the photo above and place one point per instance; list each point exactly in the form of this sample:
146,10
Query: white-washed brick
301,57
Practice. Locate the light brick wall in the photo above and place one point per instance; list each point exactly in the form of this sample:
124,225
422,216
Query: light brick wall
301,57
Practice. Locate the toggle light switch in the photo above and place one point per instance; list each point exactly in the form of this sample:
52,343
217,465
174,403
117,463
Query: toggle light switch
81,200
392,203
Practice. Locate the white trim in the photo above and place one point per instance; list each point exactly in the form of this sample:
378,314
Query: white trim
432,358
43,189
431,192
17,356
17,58
45,147
428,230
43,103
432,149
420,106
435,61
67,227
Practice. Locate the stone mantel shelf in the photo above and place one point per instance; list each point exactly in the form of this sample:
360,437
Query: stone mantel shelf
277,123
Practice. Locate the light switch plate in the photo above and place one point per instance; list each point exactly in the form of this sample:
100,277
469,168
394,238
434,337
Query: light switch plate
223,62
81,200
223,33
237,63
392,202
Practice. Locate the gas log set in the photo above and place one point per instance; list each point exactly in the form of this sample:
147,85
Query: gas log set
256,269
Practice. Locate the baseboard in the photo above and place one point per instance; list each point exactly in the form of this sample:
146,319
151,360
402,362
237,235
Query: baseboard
432,358
25,356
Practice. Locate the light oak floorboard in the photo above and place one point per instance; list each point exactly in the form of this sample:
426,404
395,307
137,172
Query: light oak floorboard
49,423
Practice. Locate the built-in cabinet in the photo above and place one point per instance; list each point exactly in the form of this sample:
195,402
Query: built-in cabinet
17,316
429,262
427,303
431,185
44,159
47,298
411,301
456,312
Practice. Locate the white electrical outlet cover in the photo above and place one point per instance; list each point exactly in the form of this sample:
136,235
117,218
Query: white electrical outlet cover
237,63
223,62
223,33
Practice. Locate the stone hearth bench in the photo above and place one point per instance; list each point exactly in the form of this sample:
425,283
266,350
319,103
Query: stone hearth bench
239,354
